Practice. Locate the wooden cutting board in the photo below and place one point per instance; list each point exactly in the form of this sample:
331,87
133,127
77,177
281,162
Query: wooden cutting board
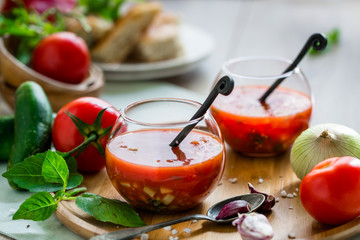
288,215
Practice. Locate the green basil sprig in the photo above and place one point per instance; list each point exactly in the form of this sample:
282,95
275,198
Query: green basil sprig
50,172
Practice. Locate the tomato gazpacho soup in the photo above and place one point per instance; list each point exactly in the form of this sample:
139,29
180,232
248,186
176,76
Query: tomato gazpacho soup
257,129
151,175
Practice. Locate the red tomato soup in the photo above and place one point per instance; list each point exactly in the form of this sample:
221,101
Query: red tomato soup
151,175
262,130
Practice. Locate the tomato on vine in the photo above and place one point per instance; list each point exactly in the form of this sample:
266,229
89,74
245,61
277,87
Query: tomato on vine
79,120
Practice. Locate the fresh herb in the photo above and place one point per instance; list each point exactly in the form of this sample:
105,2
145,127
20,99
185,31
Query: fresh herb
29,28
109,210
51,171
333,37
108,9
38,207
28,175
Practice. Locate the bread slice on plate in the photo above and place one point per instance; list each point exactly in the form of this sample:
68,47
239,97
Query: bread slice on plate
160,41
99,28
117,44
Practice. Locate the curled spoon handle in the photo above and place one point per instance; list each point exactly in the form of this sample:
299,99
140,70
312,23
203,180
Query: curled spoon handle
130,233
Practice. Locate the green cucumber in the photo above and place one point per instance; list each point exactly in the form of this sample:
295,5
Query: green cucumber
6,136
33,122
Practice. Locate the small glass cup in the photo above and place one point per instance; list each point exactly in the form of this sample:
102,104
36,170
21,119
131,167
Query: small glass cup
256,129
149,173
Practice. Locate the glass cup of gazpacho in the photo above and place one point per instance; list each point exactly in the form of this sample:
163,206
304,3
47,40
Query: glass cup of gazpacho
150,174
262,129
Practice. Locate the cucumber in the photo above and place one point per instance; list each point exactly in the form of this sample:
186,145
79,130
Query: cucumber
33,122
6,136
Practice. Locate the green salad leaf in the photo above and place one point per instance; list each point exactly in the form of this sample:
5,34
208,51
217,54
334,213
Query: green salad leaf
29,28
109,210
108,9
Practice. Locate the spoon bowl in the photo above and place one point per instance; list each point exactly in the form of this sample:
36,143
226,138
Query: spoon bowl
254,199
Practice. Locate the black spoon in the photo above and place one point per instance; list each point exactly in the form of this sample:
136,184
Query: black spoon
254,199
318,41
224,86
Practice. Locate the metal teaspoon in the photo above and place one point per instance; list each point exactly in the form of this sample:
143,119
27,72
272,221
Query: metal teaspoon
255,200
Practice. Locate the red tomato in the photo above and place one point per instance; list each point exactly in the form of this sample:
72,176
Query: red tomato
66,136
62,56
41,5
330,192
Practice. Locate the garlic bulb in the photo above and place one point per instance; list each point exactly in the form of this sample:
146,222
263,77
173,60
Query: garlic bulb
321,142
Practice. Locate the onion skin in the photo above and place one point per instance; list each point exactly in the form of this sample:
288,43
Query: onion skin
321,142
269,199
233,208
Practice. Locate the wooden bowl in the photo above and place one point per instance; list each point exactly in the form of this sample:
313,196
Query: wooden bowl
14,73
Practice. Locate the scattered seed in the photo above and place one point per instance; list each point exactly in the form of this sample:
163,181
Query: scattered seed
283,193
187,230
289,195
291,207
294,194
297,189
167,228
291,235
171,238
261,180
117,226
174,231
176,238
233,180
277,199
195,221
144,236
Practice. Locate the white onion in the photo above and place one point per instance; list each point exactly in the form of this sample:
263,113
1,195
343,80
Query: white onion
321,142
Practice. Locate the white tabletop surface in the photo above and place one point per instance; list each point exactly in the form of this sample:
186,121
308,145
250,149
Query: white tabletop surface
240,28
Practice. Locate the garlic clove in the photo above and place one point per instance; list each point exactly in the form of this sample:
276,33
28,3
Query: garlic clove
253,226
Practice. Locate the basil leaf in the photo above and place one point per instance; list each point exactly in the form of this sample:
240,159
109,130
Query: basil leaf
39,207
27,175
109,210
55,169
75,178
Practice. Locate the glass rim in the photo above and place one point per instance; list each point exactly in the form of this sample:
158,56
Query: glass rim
164,99
257,58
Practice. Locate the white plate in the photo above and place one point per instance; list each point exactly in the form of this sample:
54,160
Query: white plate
197,46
